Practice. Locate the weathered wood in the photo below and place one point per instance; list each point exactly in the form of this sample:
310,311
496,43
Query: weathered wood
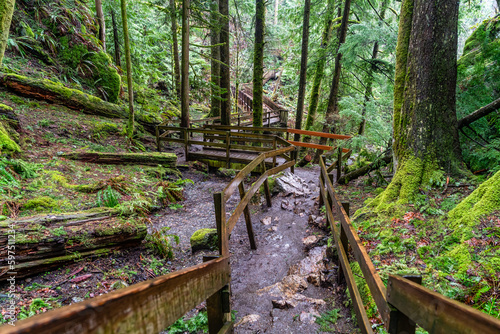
339,163
248,220
318,134
46,242
399,323
363,321
436,313
267,192
343,237
310,145
146,307
150,159
364,170
220,221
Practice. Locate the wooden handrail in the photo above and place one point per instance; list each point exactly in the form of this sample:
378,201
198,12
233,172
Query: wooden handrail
436,313
319,134
146,307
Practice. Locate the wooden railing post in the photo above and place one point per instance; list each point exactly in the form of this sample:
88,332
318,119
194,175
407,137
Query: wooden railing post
321,185
399,323
274,149
248,220
267,192
339,163
343,239
220,220
157,132
218,306
186,144
228,149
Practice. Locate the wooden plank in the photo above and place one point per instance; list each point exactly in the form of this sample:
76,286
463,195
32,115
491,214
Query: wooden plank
363,321
319,134
220,221
244,128
377,287
227,328
146,307
310,145
172,140
207,144
207,131
248,219
436,313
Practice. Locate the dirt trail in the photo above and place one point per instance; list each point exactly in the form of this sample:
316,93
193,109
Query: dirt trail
281,266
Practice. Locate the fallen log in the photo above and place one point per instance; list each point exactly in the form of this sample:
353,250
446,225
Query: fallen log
39,244
53,92
481,112
344,179
167,160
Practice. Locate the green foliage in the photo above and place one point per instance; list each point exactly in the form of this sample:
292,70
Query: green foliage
327,319
40,203
26,170
108,198
159,242
196,324
37,305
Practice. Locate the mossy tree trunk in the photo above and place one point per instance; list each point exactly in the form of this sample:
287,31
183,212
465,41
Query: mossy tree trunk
215,102
175,48
425,123
6,11
320,67
303,68
332,111
185,65
258,62
128,59
102,23
116,39
225,71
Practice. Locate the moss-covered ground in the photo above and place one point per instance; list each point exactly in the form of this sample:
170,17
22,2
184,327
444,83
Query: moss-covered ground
453,243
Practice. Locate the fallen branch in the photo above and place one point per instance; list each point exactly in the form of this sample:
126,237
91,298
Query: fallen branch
364,170
481,112
167,160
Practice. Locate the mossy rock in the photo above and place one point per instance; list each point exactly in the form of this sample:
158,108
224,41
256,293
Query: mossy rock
206,238
7,143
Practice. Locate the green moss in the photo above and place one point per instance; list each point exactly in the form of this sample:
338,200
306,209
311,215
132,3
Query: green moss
205,238
7,145
43,202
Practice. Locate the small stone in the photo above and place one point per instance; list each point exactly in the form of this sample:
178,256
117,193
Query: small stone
28,280
276,219
76,299
281,304
314,279
310,240
247,319
309,317
205,238
266,220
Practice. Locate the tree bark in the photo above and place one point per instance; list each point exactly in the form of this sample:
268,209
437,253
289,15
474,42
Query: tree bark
175,47
128,59
425,123
215,104
102,23
167,160
225,69
320,67
303,69
185,65
481,112
64,239
258,62
332,111
116,39
6,11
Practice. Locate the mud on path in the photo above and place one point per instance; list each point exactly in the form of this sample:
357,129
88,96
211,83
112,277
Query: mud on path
288,281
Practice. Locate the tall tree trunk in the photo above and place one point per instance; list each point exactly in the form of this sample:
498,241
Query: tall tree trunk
185,65
425,122
276,11
102,23
320,67
332,111
128,59
6,11
370,75
225,70
303,68
258,62
214,64
116,39
175,47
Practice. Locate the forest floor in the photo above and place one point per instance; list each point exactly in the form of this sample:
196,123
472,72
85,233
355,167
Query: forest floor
272,290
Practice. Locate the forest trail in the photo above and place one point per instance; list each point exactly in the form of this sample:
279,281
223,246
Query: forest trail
288,281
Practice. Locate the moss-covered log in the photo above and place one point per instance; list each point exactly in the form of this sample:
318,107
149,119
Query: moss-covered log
151,159
53,92
364,170
46,242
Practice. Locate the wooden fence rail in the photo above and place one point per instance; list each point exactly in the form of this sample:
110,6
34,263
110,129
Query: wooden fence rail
404,303
146,307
